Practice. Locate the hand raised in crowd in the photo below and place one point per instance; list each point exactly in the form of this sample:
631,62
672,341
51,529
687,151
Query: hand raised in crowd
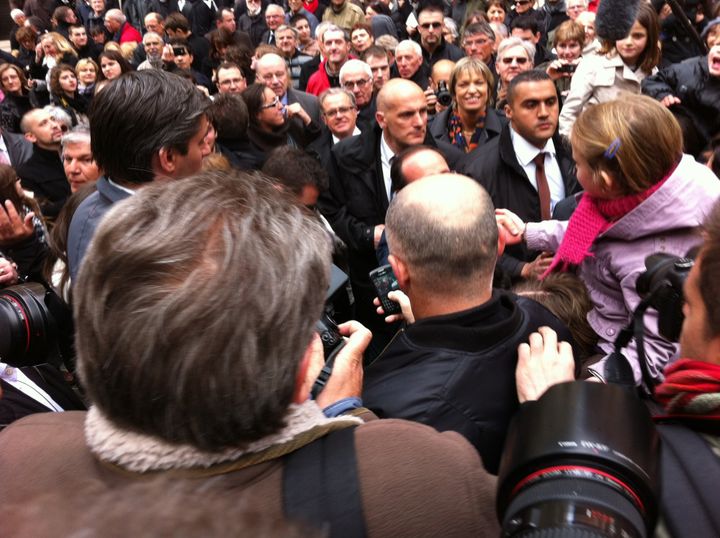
39,53
296,109
510,225
347,374
542,363
8,272
377,234
670,100
557,69
405,307
14,228
431,99
535,268
168,55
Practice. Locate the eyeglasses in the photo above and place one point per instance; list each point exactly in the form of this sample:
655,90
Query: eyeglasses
274,103
429,25
339,111
350,84
523,2
519,60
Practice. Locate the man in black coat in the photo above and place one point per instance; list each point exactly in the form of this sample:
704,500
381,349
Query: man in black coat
507,165
453,368
43,172
359,192
691,90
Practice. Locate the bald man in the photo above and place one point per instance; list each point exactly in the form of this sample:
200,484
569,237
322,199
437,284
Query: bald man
454,368
360,186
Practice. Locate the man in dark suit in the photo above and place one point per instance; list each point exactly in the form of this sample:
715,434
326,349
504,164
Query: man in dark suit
15,148
272,71
527,169
360,184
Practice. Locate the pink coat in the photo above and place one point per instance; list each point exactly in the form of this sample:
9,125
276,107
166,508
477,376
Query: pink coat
668,222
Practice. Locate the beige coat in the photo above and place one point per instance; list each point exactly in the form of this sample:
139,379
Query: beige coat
598,79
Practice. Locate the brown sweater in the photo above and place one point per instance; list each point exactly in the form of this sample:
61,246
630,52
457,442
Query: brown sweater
414,481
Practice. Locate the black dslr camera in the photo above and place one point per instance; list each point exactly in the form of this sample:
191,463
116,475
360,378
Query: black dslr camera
35,327
443,94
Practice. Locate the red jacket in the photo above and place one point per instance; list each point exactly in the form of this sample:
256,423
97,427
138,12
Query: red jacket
318,81
128,33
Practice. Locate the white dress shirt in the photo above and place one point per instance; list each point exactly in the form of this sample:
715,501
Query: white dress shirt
526,152
386,154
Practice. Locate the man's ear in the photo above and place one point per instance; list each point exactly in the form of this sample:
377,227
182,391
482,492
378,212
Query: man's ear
165,162
508,111
380,118
30,137
400,270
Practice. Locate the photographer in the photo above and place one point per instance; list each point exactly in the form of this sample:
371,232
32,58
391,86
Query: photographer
689,394
568,45
210,388
471,120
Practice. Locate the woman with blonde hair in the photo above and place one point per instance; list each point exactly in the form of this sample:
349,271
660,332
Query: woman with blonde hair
52,49
620,66
86,71
642,195
471,120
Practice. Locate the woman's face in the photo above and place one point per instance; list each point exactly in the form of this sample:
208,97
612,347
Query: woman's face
471,91
110,68
496,14
360,40
369,14
271,114
631,48
568,50
49,49
87,74
11,82
68,82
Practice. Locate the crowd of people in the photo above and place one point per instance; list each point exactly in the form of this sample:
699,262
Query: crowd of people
180,177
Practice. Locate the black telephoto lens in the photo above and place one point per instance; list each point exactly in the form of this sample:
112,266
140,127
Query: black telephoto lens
581,461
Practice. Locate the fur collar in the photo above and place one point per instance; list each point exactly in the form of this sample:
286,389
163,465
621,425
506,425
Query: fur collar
138,452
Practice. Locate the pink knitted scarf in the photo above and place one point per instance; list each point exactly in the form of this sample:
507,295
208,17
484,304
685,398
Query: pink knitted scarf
592,217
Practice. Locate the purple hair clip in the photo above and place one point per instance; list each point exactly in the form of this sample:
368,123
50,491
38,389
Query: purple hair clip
612,149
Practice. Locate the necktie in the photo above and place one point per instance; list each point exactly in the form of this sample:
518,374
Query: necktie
542,186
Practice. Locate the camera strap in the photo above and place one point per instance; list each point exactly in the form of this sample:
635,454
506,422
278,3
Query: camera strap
321,486
690,477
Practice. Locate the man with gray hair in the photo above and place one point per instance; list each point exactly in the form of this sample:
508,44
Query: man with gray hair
78,162
286,38
274,18
230,379
409,64
357,78
478,41
153,44
443,243
339,114
120,29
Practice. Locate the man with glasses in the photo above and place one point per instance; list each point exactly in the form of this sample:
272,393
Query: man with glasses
229,78
430,18
379,62
356,77
514,57
272,71
478,41
339,115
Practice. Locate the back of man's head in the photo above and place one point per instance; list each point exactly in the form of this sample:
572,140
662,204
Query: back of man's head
230,116
443,227
139,114
197,339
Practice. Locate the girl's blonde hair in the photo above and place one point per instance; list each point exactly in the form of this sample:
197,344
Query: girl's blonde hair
634,139
62,45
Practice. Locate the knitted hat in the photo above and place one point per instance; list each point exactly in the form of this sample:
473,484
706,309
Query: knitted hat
709,27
